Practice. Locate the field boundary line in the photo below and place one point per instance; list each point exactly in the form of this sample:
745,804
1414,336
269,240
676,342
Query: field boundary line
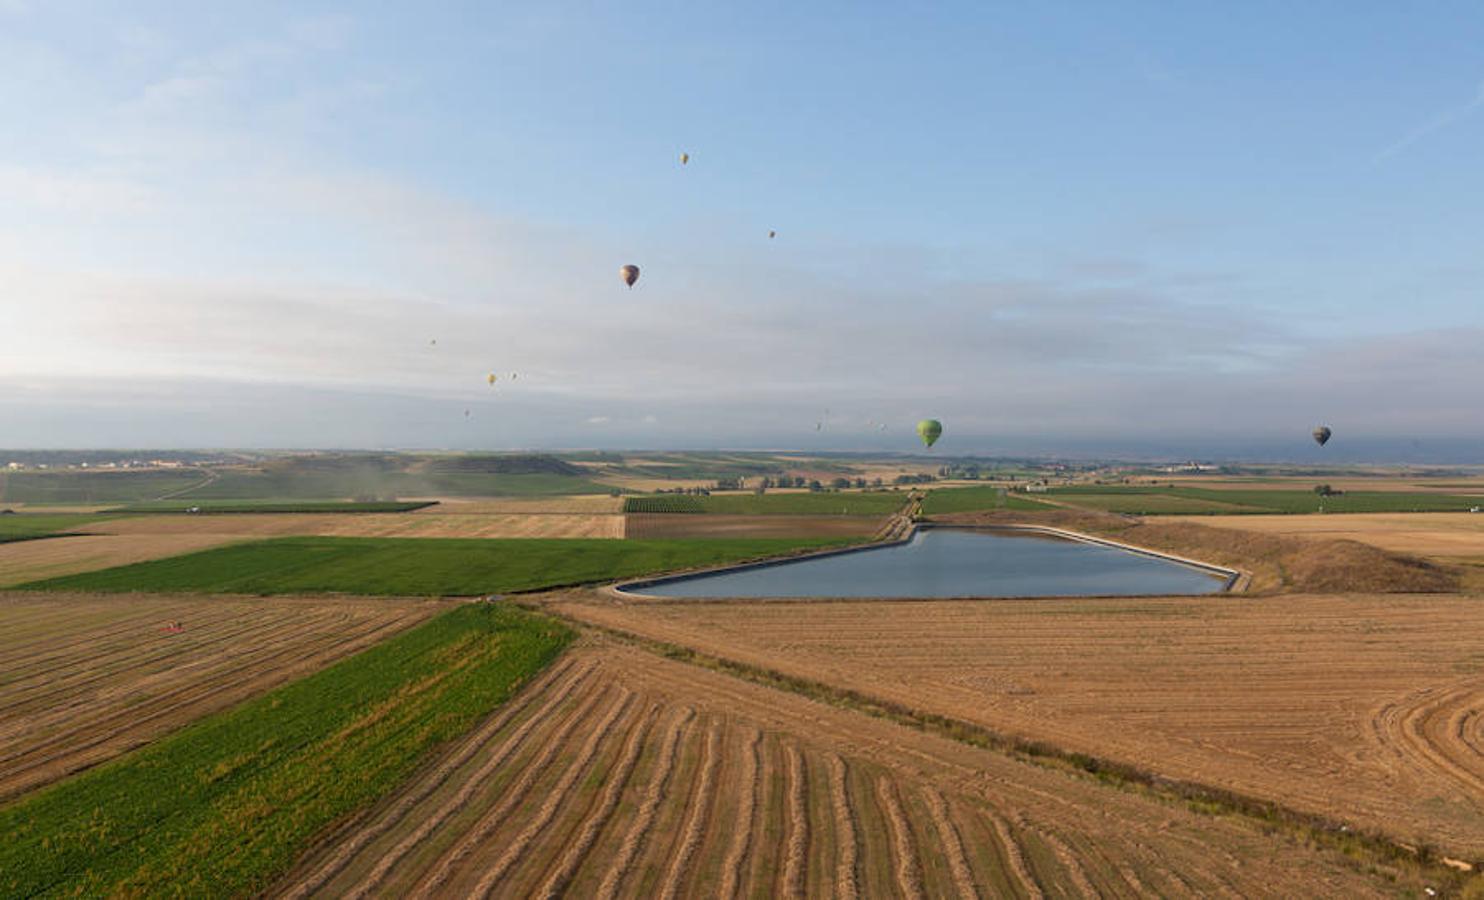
1350,842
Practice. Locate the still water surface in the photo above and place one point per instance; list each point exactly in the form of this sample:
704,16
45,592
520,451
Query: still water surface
953,562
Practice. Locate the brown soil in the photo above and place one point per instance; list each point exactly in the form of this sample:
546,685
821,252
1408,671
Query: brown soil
87,677
625,758
1368,709
1276,562
1434,535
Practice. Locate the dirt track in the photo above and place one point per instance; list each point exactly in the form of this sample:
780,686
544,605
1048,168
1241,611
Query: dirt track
623,774
1369,709
85,677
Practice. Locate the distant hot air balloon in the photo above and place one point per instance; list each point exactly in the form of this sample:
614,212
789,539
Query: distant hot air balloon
514,375
466,414
1321,435
772,234
629,274
433,342
684,158
929,430
491,378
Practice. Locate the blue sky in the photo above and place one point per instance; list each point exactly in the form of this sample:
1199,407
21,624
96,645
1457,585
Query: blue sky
1047,224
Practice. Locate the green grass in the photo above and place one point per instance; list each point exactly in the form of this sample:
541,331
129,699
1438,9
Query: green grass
25,526
215,507
419,566
974,499
826,503
1138,499
224,806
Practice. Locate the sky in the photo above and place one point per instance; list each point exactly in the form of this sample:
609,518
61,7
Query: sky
1169,228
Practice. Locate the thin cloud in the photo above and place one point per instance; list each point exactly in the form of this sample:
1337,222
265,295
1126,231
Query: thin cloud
1436,123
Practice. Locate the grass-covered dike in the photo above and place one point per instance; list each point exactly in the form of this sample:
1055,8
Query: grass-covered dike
223,807
420,566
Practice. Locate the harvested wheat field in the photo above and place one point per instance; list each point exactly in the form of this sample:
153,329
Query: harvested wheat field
23,561
1366,709
85,677
1438,535
666,525
400,525
619,773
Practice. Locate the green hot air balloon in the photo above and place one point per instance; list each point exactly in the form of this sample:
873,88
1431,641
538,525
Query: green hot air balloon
930,430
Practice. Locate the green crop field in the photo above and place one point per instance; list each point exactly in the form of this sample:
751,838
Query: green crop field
974,499
224,507
25,526
420,566
223,807
90,487
1206,501
668,503
825,503
284,483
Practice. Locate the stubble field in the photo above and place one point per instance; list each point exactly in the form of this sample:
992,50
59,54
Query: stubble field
85,677
623,774
1366,709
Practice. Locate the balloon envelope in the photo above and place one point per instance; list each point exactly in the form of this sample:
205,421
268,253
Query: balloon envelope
684,158
629,274
1321,435
491,378
930,430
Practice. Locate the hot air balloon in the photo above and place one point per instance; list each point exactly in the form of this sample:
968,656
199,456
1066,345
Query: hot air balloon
466,414
772,234
514,375
491,378
684,158
1321,435
629,274
929,430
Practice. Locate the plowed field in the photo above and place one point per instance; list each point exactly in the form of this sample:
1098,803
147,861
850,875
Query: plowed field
620,773
1367,709
84,678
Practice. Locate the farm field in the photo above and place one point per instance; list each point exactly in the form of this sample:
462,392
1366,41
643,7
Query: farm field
223,808
422,525
419,566
776,503
969,499
1361,708
23,561
87,677
622,774
1151,499
662,525
27,526
1435,535
260,507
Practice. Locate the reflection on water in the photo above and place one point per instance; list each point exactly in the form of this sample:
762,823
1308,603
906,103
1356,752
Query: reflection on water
952,562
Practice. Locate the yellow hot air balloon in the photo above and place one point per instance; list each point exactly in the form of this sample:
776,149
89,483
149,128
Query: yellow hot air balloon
684,158
491,378
629,274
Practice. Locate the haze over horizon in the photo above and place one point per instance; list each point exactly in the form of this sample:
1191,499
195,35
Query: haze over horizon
1151,230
